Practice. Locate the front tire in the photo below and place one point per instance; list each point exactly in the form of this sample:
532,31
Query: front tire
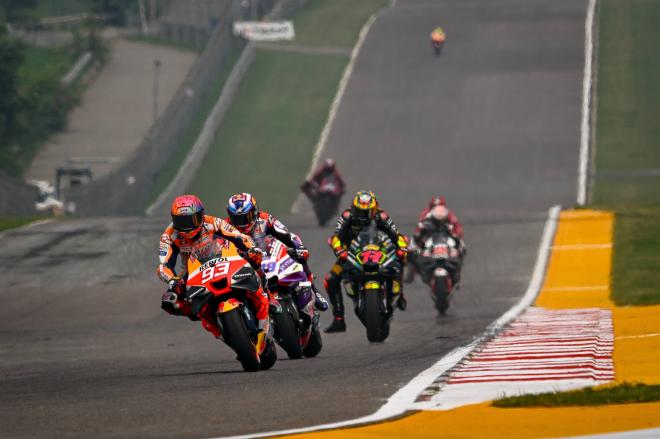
441,295
286,334
373,317
269,356
314,344
237,336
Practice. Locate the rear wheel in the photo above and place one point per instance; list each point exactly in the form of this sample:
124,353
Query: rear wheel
373,317
314,344
238,337
441,294
286,334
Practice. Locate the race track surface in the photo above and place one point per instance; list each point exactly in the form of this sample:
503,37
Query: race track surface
492,124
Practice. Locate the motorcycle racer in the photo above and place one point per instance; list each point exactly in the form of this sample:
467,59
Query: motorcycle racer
438,35
326,171
455,227
364,210
188,223
244,214
438,217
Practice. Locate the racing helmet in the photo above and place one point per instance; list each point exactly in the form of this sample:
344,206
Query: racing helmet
364,207
243,211
437,200
438,216
329,164
187,215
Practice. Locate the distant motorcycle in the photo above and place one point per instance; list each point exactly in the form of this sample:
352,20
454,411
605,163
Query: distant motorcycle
219,278
372,264
325,198
438,263
297,327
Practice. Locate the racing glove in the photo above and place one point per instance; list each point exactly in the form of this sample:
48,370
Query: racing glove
254,256
300,254
341,254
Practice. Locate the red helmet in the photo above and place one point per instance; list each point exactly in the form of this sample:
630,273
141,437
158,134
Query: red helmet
437,201
187,215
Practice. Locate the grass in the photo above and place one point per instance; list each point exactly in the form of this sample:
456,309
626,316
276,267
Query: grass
44,64
635,274
628,141
151,39
7,223
333,23
624,393
212,96
266,142
628,127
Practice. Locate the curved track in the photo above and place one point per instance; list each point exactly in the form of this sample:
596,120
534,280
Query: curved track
492,123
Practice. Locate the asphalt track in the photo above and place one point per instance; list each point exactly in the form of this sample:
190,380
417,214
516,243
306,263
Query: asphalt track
493,124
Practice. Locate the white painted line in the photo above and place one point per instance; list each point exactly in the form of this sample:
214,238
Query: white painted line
332,114
404,398
582,246
586,105
624,337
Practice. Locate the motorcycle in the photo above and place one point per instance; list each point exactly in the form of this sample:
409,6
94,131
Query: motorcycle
438,262
372,265
218,280
325,198
297,326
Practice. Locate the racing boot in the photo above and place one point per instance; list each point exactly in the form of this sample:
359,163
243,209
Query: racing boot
338,325
332,286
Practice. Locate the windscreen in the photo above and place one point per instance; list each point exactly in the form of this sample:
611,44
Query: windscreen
209,247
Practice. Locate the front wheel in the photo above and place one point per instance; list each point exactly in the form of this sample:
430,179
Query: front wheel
286,334
314,344
269,356
237,336
373,317
441,294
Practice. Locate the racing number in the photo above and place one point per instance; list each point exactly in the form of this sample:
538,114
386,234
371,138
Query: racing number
215,271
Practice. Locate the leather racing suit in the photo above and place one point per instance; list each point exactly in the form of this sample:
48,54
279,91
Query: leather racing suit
346,230
172,245
266,224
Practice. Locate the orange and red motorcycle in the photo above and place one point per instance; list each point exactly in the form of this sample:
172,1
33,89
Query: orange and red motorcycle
219,280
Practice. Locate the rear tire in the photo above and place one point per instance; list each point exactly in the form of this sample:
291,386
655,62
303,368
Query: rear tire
314,344
238,338
441,295
286,334
373,317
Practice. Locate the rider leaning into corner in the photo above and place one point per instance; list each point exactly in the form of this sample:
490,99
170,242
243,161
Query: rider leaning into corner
351,222
189,223
433,217
327,171
244,214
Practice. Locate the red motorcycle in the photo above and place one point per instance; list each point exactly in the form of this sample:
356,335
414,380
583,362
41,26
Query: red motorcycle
218,280
325,197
